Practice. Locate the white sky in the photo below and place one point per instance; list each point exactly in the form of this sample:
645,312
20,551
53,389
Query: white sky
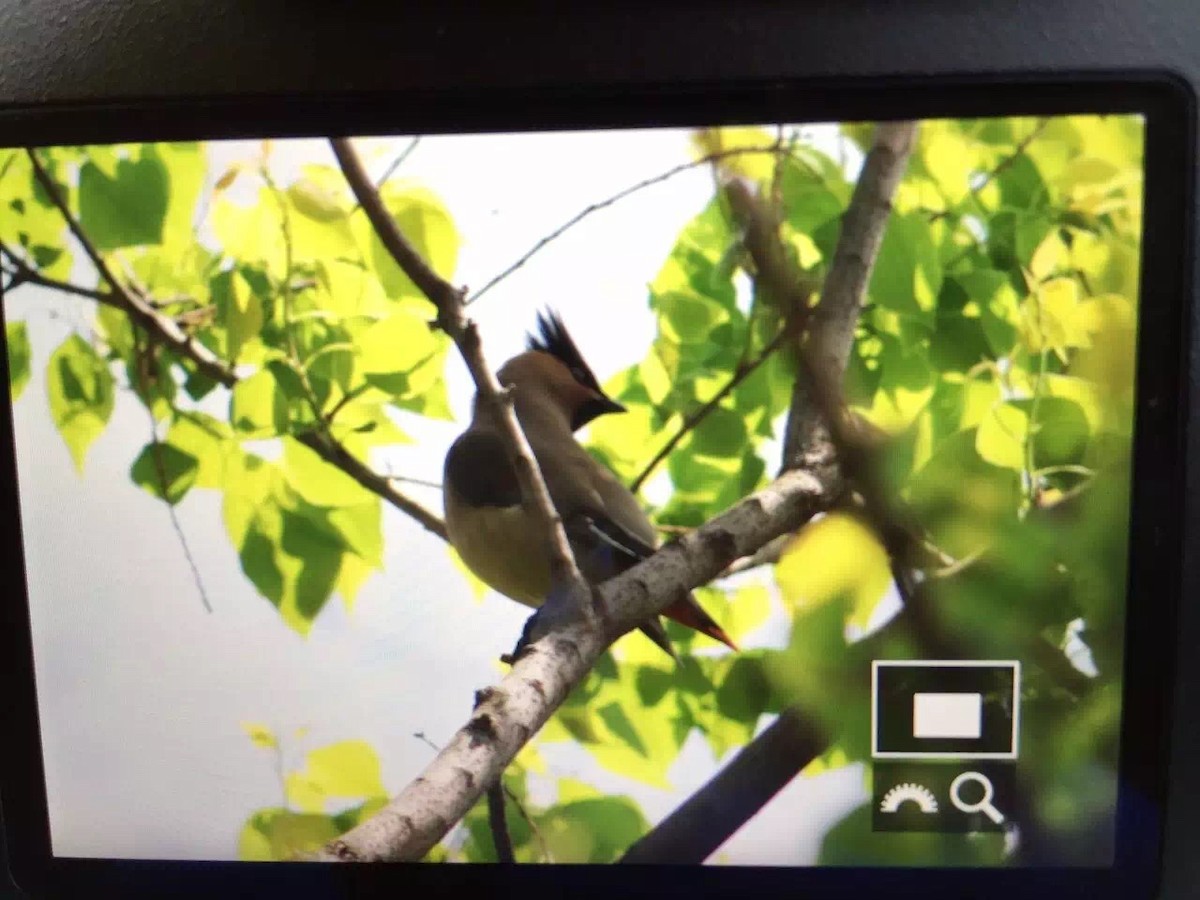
141,692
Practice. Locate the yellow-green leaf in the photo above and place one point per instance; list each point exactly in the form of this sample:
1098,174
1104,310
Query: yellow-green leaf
16,338
245,319
81,393
304,793
1051,318
424,220
345,769
1002,436
318,482
835,558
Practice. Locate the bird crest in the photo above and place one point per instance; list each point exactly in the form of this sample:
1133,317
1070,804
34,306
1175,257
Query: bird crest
553,338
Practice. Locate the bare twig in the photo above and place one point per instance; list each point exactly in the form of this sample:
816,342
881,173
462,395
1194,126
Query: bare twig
144,361
740,374
167,332
423,482
609,201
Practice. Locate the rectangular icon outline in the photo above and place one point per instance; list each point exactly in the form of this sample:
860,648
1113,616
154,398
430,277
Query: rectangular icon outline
1014,743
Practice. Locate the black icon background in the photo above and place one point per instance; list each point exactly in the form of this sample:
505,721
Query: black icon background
894,700
937,777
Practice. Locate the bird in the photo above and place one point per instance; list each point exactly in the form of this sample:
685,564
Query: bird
554,393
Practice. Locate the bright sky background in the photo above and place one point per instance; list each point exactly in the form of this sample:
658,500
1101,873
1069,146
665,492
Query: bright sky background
141,692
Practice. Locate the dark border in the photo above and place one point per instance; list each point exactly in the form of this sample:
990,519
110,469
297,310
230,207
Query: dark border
1169,105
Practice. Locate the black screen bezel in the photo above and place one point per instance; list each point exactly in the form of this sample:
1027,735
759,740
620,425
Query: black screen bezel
1158,498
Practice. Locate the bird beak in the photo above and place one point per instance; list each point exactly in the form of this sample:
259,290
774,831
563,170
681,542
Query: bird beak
610,405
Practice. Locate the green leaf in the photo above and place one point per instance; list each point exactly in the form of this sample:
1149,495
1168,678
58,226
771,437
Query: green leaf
907,277
309,557
594,830
905,385
949,159
185,165
251,234
127,209
688,317
423,219
318,482
280,834
208,441
749,608
321,224
257,407
1002,435
345,769
16,338
393,353
992,294
81,393
831,559
165,471
721,433
244,318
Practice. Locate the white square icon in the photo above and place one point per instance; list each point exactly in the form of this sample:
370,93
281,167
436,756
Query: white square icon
947,715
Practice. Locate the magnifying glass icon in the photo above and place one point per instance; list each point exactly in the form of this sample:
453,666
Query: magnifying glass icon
983,805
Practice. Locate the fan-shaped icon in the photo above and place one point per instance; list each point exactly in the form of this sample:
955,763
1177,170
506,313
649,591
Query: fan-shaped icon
902,793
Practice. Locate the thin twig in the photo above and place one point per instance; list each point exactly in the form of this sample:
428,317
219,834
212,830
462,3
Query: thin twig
999,169
144,360
740,374
609,201
25,274
397,163
423,482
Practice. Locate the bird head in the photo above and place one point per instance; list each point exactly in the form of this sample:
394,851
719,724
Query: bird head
552,371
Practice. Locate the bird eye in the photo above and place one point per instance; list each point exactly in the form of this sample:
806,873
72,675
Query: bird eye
578,373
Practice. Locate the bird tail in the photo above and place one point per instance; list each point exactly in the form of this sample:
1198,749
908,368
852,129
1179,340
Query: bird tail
689,613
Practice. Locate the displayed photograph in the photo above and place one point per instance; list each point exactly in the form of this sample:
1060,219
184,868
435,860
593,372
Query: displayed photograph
738,495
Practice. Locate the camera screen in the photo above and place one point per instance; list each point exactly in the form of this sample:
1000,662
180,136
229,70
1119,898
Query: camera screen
274,545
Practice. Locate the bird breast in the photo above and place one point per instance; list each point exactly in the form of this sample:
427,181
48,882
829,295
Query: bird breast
503,548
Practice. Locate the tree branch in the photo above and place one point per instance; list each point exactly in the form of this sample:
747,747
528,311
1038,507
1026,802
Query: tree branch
758,772
166,331
509,715
571,593
831,331
23,273
706,820
542,677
